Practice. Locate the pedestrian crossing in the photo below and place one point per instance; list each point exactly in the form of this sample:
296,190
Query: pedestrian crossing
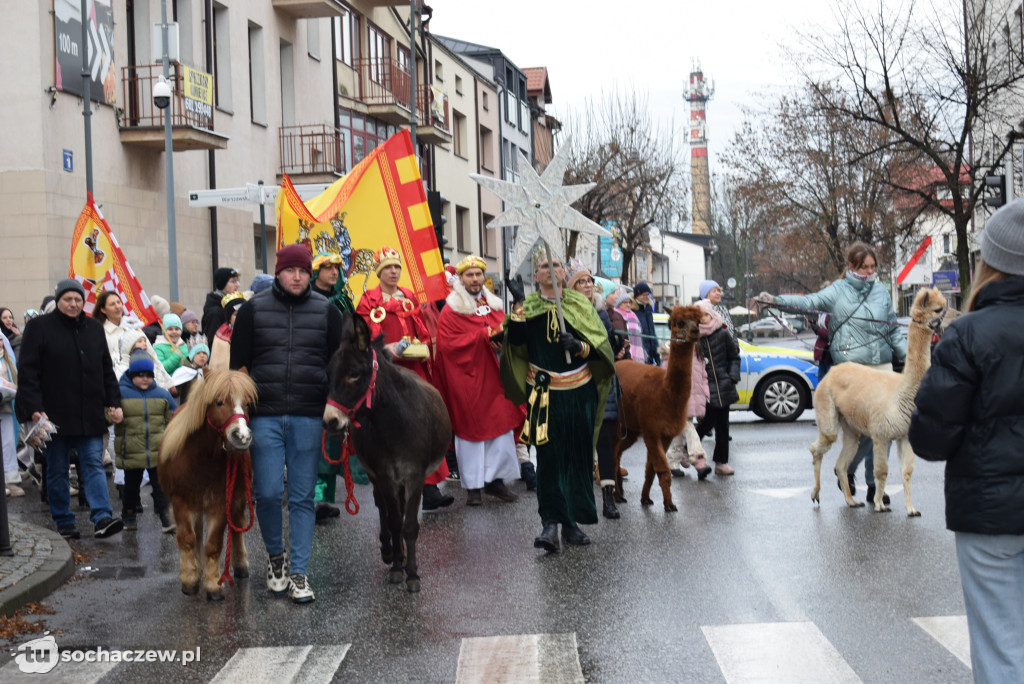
791,652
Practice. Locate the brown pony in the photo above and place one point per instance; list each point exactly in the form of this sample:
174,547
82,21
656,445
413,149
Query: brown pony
654,402
207,442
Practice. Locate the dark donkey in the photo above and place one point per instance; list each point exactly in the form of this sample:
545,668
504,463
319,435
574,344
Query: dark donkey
399,428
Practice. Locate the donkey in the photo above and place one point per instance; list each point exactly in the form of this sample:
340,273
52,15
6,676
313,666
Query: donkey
399,428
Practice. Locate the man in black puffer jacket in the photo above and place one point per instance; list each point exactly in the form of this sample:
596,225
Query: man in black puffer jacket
970,414
285,336
65,375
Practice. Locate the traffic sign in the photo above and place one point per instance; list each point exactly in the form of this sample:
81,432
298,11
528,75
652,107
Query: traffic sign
250,194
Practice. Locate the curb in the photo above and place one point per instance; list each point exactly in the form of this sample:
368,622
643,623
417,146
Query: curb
44,580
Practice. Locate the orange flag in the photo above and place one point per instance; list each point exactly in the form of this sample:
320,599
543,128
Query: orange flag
99,264
381,202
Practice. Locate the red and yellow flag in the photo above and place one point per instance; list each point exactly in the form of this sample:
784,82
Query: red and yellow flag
381,202
99,264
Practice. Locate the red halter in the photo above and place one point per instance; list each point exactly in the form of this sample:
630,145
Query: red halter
365,399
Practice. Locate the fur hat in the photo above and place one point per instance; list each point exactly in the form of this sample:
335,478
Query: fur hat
172,320
261,282
295,255
177,308
1002,243
576,270
128,340
706,286
160,305
641,288
386,256
68,285
221,277
140,363
198,345
188,316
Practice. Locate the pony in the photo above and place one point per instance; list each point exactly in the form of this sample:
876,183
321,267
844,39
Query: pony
399,427
654,403
203,456
878,404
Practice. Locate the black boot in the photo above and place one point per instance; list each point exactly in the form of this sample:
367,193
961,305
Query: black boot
434,499
610,511
573,535
528,474
849,478
498,489
871,496
548,539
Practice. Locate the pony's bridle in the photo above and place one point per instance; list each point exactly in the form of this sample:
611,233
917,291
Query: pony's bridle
222,429
366,399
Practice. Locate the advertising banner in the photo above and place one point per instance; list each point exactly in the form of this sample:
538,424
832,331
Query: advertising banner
197,94
99,49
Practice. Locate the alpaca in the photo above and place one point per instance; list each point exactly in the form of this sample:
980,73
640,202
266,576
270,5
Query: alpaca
878,404
654,402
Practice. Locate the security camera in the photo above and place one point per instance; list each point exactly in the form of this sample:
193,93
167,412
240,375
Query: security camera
162,94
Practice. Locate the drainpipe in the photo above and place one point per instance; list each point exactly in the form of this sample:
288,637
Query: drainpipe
211,161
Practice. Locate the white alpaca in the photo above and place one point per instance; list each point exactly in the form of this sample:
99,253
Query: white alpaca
876,403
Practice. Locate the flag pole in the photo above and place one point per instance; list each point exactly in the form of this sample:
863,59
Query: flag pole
558,296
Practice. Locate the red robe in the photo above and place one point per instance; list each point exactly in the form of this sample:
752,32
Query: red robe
401,318
466,373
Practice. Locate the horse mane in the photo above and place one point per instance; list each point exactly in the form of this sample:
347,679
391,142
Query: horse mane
190,417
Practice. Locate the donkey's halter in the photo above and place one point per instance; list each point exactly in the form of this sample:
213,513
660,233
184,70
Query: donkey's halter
367,398
222,430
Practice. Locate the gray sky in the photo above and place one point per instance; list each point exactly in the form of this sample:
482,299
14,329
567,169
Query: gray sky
648,46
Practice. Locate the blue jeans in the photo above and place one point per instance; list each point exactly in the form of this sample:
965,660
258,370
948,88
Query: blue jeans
292,441
91,476
866,453
992,575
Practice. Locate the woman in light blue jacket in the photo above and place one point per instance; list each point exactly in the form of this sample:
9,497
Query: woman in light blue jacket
862,328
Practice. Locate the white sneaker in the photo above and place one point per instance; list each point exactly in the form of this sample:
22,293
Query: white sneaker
299,591
277,573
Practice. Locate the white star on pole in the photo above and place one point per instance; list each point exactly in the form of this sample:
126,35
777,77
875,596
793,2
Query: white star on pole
540,206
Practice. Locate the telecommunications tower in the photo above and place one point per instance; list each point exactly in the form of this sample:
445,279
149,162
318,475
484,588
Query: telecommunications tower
700,92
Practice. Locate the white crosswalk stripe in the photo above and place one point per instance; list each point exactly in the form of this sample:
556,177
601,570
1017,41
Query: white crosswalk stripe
520,658
792,652
273,664
951,632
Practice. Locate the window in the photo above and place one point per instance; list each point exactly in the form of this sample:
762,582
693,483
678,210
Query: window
313,38
257,76
462,229
183,15
360,135
485,102
458,85
222,57
438,72
947,244
458,134
379,52
489,237
287,84
404,59
486,148
511,162
346,31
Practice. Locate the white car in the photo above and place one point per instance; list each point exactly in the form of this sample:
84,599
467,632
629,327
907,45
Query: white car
767,326
775,383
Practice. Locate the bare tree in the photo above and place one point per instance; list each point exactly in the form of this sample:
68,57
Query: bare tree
939,83
638,167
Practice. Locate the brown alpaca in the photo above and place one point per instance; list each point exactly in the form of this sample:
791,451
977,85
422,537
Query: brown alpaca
654,402
876,403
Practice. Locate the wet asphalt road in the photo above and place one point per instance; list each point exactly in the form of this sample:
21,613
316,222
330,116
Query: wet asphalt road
752,548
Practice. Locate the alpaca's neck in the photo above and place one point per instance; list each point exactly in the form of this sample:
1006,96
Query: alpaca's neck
679,373
919,357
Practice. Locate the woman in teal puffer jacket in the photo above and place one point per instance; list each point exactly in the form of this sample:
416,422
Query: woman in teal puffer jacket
862,328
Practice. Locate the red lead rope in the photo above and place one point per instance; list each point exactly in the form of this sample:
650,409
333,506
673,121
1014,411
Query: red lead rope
351,505
234,459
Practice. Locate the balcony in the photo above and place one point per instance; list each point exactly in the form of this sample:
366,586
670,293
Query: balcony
384,87
312,150
143,123
311,9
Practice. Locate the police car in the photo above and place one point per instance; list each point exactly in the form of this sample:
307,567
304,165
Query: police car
776,383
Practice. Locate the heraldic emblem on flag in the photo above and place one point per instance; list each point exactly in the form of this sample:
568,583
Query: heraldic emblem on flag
381,202
99,264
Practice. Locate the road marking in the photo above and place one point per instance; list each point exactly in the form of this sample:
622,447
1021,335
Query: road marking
62,673
789,652
520,658
283,664
951,632
782,492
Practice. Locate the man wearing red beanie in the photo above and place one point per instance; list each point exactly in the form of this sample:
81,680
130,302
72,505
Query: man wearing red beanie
285,336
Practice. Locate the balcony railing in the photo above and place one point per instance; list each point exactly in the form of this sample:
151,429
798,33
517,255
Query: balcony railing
384,86
138,96
312,149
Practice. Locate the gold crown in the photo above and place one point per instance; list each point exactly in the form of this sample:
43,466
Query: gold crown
472,261
387,256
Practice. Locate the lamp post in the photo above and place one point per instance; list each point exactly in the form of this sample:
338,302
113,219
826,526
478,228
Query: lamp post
163,101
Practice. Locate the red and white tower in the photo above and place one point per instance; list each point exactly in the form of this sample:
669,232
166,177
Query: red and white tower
700,92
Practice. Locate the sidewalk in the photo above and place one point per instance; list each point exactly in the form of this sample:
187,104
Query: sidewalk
42,561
